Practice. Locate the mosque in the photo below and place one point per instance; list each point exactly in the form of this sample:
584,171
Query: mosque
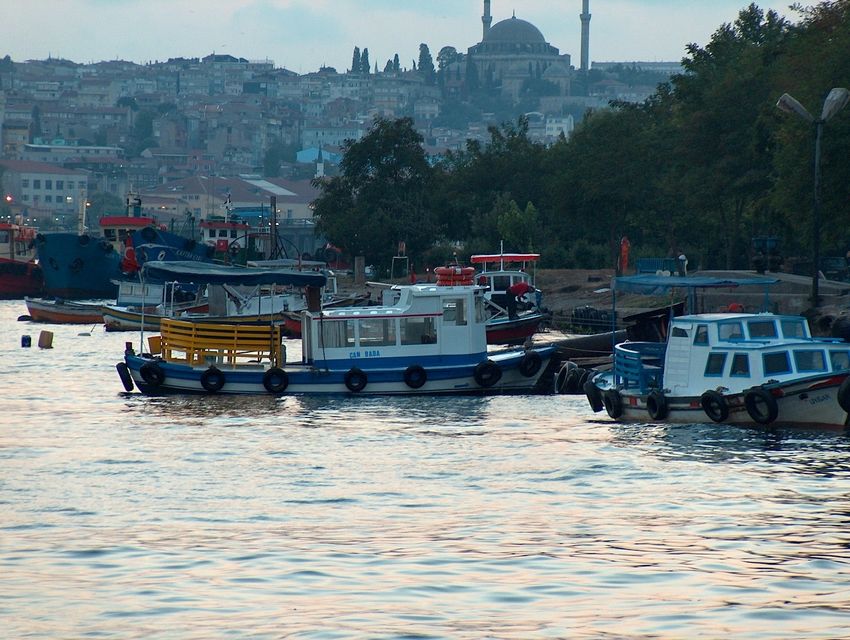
513,51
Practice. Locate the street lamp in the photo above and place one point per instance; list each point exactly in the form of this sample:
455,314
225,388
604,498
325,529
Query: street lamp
835,102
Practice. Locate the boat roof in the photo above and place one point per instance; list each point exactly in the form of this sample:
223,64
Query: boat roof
210,273
726,317
651,284
505,257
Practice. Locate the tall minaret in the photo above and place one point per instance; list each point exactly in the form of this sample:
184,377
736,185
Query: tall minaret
486,19
585,36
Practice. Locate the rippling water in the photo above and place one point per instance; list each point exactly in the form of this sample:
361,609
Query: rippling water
503,517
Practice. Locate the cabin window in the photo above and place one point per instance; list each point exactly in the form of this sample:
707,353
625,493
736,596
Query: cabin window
336,334
740,365
454,311
480,311
678,332
418,331
840,360
377,332
701,336
775,363
793,329
714,366
731,331
762,329
233,233
501,283
809,360
222,233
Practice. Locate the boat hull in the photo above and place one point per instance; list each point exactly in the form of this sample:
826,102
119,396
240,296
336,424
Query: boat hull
20,278
64,312
454,377
810,402
77,266
503,330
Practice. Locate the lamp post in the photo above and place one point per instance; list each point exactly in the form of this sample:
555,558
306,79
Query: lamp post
835,102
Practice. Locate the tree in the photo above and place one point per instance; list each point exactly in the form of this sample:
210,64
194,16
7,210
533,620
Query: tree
388,68
381,196
365,67
426,64
396,65
355,61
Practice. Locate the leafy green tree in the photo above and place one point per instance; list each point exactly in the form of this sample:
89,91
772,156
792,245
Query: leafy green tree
356,65
365,67
396,65
426,64
381,196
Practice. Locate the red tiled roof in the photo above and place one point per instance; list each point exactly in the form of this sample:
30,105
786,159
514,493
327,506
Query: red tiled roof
28,166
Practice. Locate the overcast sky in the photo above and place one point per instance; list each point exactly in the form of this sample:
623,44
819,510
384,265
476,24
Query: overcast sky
303,35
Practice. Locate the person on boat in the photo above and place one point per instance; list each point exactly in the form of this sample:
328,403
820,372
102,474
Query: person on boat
516,294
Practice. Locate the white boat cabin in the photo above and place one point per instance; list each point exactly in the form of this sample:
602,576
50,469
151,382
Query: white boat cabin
423,320
732,351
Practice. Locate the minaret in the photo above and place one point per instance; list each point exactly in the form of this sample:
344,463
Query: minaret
585,36
486,19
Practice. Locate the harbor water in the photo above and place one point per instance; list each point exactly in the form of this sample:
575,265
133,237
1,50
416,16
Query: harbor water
123,516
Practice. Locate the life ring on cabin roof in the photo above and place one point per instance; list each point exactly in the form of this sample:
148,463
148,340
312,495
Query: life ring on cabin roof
454,276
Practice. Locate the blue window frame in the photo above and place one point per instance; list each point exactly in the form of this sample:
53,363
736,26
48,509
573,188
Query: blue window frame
840,360
731,330
740,366
809,360
715,363
776,363
762,329
793,328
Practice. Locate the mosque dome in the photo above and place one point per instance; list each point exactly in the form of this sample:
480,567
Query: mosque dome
514,30
556,70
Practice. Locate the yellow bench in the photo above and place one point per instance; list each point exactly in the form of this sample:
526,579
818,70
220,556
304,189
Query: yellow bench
200,342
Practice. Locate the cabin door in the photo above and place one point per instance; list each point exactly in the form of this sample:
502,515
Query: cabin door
678,357
455,325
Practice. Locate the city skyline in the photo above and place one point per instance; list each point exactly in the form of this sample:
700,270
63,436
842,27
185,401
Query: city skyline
302,35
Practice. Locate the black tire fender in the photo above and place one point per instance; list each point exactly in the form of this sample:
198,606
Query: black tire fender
843,395
656,405
152,374
530,363
613,402
714,405
594,396
753,400
124,374
415,376
212,380
356,379
487,373
275,380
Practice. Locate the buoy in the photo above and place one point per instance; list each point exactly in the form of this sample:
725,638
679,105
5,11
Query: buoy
45,340
26,341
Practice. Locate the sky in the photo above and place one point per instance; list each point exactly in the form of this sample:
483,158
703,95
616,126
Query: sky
303,35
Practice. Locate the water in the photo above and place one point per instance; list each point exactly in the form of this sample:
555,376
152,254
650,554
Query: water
505,517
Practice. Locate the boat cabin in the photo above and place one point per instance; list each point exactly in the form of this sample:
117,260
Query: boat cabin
17,242
732,351
497,279
424,320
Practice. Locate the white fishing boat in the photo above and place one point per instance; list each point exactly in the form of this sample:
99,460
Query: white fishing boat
431,340
734,368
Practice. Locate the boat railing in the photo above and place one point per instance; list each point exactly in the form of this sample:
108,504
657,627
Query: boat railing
639,365
197,343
